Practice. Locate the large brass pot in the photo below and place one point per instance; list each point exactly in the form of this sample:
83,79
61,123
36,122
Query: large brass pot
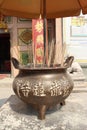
42,87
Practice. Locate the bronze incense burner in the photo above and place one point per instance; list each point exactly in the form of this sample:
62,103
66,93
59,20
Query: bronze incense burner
42,87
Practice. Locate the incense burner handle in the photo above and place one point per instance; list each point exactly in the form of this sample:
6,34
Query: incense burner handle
68,61
15,62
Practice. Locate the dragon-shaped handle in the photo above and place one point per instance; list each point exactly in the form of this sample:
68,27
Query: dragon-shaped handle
15,62
68,61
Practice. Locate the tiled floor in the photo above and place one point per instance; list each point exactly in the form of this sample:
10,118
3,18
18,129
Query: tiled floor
5,89
15,115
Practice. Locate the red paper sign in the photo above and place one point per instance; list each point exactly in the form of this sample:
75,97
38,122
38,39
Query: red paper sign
38,41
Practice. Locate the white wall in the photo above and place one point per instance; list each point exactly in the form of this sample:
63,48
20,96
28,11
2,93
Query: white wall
75,37
79,51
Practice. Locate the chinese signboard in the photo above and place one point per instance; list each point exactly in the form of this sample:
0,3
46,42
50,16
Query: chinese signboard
38,41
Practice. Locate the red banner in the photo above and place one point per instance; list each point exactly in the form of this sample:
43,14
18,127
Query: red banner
38,41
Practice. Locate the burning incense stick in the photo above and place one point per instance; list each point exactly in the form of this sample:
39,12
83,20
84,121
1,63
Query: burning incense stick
63,53
57,56
50,53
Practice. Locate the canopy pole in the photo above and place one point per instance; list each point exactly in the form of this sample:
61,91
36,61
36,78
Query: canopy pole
45,33
45,42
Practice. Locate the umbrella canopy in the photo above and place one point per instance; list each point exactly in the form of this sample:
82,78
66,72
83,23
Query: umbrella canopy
45,8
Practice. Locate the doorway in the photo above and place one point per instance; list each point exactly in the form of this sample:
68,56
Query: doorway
5,65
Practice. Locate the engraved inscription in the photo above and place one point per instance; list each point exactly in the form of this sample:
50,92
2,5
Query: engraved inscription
56,87
60,87
26,87
38,89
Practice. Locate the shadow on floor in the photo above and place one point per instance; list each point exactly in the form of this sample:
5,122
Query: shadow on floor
2,101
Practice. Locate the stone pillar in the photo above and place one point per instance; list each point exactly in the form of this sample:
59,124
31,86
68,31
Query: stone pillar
59,40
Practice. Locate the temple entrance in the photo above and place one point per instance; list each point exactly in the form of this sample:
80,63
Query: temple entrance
5,65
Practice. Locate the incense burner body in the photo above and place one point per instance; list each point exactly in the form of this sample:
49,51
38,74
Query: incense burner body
42,88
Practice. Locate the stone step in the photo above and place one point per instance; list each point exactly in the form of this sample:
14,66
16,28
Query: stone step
80,86
78,90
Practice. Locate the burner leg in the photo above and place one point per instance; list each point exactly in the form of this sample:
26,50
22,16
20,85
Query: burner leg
41,112
62,103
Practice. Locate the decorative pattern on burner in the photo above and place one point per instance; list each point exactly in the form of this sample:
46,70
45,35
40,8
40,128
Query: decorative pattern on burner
60,87
55,88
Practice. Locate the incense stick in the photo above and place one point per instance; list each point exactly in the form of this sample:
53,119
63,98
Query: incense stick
63,53
50,53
